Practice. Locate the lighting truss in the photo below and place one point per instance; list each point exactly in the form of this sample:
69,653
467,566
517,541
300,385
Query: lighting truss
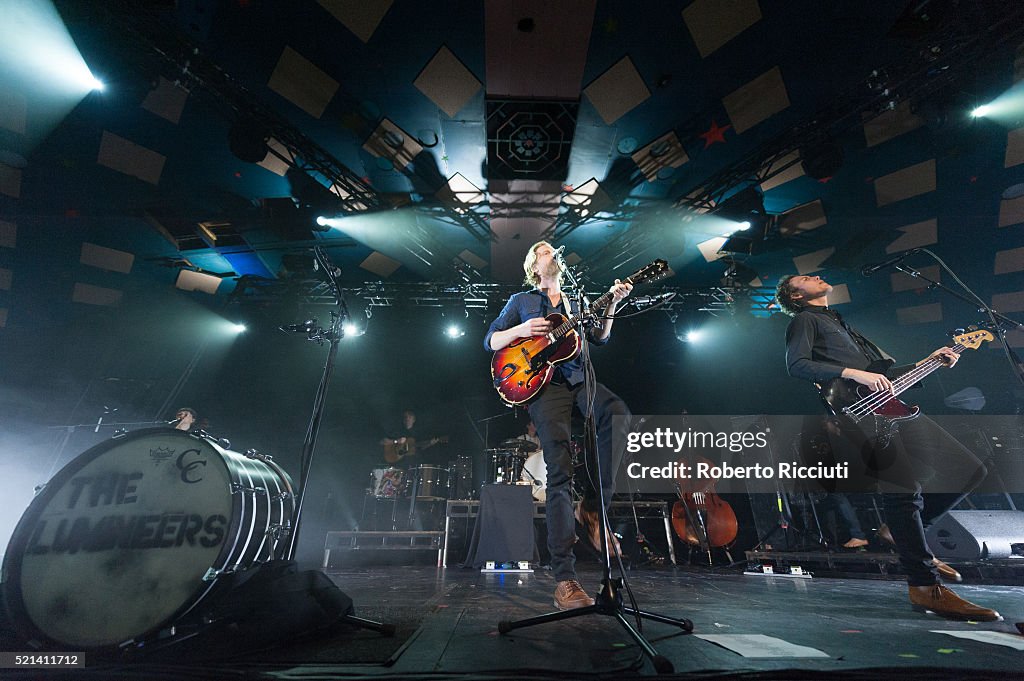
481,298
937,61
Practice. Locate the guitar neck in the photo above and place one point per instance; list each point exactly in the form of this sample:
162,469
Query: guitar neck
570,323
905,381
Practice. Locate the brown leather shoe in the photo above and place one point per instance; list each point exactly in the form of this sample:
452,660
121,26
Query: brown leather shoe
569,595
944,602
855,543
590,521
885,535
946,572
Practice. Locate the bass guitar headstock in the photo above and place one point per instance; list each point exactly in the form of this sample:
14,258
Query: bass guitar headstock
973,338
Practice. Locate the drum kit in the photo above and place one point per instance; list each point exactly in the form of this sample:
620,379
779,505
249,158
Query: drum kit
428,483
505,463
132,535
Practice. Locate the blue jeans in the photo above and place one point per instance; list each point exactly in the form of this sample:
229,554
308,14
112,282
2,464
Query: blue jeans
551,413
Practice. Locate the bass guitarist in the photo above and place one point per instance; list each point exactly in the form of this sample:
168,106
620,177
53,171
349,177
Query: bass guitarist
821,347
551,411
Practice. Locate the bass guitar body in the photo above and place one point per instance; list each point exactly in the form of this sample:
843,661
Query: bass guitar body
842,392
521,369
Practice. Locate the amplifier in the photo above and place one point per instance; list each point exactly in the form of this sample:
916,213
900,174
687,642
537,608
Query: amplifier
970,535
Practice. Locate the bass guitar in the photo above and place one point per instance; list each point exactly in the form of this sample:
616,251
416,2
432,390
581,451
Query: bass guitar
522,368
845,397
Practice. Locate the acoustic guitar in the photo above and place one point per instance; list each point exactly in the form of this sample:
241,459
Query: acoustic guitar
522,368
396,450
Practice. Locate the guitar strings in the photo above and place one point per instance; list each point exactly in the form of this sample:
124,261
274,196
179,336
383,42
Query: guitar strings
868,404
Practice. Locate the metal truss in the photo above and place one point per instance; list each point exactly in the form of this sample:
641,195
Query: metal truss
476,297
197,74
938,60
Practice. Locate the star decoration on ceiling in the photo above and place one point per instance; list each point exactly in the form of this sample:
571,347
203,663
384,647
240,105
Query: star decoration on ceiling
714,134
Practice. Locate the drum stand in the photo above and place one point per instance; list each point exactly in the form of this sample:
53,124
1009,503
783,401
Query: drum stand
608,600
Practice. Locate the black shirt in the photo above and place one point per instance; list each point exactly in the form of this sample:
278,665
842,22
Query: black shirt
819,345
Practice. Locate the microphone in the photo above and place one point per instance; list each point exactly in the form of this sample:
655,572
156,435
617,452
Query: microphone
557,254
174,422
644,301
304,327
870,269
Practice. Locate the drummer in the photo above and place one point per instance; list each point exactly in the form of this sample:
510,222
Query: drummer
186,418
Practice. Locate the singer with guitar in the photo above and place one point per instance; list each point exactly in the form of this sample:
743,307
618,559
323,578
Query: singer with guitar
525,316
915,452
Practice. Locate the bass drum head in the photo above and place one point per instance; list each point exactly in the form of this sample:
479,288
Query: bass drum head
118,542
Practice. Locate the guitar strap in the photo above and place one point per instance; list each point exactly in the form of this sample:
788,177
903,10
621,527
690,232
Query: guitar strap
871,351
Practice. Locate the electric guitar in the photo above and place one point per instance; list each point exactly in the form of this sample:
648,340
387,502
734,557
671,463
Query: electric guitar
395,451
845,397
522,368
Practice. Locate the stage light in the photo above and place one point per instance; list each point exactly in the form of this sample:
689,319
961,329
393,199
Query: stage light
454,331
350,329
323,221
36,47
689,336
982,110
746,207
239,328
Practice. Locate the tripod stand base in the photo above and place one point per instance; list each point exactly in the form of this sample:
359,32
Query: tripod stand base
382,629
609,602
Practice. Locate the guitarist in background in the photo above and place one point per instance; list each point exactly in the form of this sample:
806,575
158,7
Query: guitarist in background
406,442
820,346
551,412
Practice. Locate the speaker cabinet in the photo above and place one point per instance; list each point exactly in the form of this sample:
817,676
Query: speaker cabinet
970,535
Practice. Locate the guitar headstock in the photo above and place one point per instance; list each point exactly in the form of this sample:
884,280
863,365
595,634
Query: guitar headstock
974,339
650,272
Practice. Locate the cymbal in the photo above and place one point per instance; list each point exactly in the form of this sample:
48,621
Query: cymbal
521,444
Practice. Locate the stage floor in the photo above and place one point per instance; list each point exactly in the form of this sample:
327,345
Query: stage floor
447,621
857,624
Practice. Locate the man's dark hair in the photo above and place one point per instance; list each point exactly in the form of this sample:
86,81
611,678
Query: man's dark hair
784,295
190,410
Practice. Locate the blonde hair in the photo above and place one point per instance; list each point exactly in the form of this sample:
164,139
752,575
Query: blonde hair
532,278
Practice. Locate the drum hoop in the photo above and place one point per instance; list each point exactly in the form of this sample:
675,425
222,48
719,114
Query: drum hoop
14,555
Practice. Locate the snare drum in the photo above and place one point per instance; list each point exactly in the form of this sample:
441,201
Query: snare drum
388,483
430,482
135,532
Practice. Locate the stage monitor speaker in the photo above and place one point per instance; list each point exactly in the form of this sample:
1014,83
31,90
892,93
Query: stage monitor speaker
971,535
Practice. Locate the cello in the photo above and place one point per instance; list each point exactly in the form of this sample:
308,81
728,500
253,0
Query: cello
702,518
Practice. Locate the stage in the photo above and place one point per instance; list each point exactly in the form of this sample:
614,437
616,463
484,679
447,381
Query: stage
447,625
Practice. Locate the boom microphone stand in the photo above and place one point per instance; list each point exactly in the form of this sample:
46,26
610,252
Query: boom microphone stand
609,599
333,336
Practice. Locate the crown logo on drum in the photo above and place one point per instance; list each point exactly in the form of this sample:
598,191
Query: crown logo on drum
160,454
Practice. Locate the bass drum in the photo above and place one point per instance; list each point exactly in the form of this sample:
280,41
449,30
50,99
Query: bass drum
134,533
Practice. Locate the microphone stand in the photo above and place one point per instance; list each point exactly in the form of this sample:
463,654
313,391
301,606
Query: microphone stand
998,321
609,599
332,335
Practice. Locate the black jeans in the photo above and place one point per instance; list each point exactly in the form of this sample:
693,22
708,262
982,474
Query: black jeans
941,463
838,502
551,412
